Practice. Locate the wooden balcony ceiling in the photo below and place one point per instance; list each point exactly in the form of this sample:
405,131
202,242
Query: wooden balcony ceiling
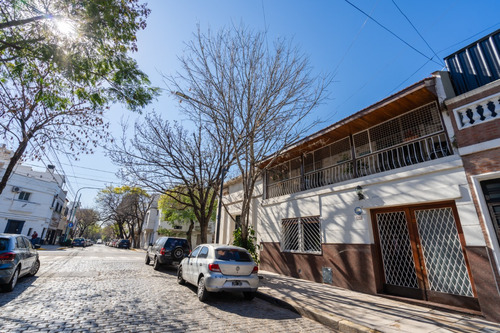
414,96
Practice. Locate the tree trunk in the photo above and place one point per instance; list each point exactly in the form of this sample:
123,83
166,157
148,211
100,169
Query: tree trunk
189,233
12,163
204,231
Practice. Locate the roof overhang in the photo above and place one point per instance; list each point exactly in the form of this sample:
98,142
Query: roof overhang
414,96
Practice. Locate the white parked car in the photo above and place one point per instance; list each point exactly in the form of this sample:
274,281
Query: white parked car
215,268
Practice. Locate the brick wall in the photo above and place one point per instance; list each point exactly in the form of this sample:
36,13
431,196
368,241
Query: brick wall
482,162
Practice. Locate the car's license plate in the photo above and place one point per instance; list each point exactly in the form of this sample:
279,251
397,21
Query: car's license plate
236,283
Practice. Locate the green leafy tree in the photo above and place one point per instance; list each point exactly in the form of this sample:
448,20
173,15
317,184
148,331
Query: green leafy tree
56,86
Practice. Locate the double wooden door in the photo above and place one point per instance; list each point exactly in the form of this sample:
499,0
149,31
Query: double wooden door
422,254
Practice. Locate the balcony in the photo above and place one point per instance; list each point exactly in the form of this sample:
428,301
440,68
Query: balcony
411,152
479,112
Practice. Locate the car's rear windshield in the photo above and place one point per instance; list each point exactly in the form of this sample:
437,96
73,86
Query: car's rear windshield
172,243
4,243
232,254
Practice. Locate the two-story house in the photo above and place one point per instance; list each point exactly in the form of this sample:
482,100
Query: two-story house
384,201
31,201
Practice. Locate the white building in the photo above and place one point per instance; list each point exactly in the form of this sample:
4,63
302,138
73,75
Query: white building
31,201
153,222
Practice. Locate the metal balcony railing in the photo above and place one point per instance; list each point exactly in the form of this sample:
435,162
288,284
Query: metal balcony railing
410,153
284,187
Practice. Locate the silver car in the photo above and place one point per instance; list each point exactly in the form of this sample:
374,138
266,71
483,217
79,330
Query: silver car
215,268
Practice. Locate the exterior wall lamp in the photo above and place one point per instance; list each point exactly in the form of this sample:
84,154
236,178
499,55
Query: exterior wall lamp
359,192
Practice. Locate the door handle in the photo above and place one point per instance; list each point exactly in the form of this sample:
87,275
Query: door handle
201,264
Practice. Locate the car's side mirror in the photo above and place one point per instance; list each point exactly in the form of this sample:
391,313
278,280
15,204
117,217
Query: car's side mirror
150,244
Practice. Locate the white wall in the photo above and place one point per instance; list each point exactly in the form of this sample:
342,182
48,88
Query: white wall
38,211
433,181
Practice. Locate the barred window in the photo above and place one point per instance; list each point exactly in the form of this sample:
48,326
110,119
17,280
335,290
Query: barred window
301,235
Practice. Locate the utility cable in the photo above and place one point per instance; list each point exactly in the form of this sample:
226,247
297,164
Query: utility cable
416,30
391,32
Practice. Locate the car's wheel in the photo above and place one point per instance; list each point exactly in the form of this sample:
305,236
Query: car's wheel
249,295
34,268
180,280
13,281
147,260
156,264
178,253
202,290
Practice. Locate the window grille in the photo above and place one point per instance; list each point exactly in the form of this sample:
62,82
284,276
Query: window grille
362,143
410,126
301,235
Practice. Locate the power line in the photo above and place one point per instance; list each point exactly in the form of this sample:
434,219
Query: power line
91,179
470,37
352,42
391,32
416,30
92,169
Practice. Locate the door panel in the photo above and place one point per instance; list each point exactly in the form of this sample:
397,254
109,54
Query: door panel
397,257
423,256
442,252
14,227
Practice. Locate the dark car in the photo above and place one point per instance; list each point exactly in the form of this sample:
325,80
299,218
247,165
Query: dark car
167,251
79,242
18,257
123,244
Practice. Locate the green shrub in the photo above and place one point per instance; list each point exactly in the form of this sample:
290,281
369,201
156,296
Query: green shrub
250,243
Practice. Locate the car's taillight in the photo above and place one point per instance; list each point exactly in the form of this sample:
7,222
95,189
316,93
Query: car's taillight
255,270
162,251
214,267
7,256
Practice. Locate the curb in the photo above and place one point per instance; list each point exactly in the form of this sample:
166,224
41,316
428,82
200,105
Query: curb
44,249
337,323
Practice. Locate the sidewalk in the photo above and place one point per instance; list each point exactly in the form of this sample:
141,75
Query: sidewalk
349,311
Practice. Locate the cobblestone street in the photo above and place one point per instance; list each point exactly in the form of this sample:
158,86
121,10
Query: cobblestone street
102,289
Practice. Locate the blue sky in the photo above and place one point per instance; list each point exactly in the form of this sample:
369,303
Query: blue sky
370,60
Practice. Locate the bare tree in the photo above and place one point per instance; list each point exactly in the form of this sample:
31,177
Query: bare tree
86,218
168,159
125,207
259,97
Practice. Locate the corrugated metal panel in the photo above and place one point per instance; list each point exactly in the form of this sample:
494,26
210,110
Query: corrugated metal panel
475,65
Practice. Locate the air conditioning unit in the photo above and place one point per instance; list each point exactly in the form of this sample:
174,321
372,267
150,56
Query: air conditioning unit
15,189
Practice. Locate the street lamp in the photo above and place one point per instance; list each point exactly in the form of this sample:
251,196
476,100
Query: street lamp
74,208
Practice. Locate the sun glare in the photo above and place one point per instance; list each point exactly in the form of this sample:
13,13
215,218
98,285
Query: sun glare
65,27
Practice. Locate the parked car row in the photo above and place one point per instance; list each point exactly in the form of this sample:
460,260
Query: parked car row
119,243
210,267
82,242
18,257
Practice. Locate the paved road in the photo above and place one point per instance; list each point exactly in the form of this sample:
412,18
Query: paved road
102,289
